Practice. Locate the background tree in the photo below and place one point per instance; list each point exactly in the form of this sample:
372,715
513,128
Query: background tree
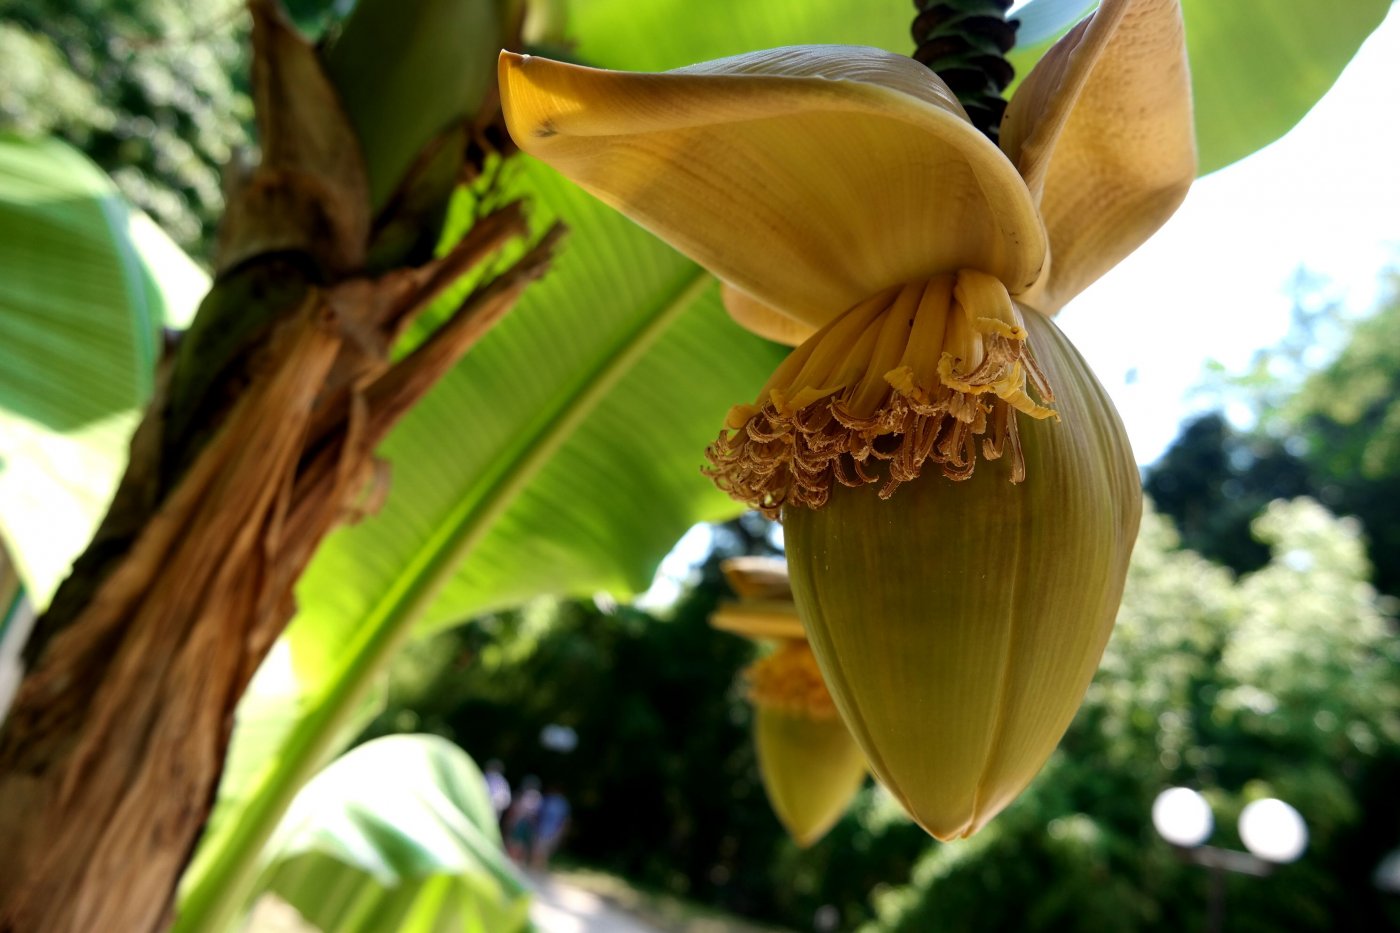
1214,480
1348,415
1327,431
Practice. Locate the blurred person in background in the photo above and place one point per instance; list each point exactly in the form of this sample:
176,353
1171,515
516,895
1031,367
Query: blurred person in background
497,787
522,820
550,829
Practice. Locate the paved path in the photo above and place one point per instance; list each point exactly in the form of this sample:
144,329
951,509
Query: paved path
562,908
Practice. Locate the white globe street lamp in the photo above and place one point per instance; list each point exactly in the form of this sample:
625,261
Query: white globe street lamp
1274,833
1182,817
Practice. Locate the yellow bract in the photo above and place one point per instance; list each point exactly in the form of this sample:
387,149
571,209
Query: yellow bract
1101,130
810,178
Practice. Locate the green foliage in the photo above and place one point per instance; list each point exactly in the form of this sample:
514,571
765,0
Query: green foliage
661,727
443,59
663,782
1348,416
151,90
73,282
1353,404
398,834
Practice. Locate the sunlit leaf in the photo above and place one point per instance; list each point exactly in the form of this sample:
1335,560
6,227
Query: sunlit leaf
661,34
1257,66
398,834
86,284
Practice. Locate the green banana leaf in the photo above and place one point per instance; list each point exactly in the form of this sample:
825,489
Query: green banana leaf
664,34
562,456
86,285
1257,65
397,834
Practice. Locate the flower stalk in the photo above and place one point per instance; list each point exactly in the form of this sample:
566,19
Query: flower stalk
965,42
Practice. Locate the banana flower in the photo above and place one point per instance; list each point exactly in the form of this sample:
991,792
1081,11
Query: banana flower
850,207
810,765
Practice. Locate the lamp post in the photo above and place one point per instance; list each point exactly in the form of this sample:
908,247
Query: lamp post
1272,831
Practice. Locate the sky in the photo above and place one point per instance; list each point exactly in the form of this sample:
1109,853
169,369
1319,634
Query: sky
1216,282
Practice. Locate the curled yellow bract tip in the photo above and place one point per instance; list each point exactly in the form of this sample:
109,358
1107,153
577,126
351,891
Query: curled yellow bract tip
1102,132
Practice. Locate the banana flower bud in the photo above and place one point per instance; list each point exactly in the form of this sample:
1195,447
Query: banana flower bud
959,495
810,765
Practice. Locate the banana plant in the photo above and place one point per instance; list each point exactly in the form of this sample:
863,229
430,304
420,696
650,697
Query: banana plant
381,240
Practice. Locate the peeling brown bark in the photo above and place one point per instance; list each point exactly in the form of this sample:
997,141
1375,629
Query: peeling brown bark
259,441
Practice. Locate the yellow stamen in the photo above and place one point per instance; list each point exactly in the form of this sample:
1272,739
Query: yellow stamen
911,375
788,680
